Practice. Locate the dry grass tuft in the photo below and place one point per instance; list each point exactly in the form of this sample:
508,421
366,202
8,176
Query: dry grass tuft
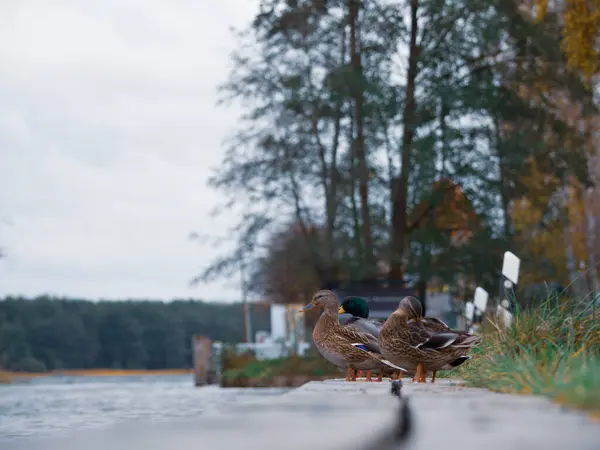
551,350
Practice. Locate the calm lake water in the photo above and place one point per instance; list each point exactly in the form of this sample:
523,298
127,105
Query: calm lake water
59,404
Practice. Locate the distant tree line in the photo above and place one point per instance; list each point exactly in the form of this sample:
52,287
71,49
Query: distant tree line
48,333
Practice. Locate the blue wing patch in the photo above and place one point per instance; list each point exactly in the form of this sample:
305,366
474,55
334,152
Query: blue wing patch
361,346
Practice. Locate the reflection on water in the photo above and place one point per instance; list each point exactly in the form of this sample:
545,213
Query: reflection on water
58,404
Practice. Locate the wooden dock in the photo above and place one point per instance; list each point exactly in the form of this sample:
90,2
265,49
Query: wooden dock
340,415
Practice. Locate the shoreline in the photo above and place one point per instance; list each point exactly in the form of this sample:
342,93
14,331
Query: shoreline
9,376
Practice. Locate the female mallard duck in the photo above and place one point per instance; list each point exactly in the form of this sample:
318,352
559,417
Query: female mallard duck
343,346
422,344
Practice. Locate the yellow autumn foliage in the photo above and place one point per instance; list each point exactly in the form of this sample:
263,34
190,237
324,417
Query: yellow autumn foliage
543,242
541,8
580,29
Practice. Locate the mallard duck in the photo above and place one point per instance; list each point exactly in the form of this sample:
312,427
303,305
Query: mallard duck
344,346
422,344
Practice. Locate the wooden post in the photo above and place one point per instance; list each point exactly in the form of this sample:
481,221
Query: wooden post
202,352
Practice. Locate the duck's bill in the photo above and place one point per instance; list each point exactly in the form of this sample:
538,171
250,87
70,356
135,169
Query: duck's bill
341,310
307,307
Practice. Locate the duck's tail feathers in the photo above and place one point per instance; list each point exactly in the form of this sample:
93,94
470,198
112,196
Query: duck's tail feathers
363,347
393,366
438,341
458,361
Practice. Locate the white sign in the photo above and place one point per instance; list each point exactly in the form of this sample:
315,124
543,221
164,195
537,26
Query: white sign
469,310
278,328
481,299
510,267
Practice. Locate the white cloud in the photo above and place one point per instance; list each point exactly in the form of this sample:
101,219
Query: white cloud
108,132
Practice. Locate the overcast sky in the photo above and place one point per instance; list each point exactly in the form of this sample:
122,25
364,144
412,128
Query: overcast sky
108,132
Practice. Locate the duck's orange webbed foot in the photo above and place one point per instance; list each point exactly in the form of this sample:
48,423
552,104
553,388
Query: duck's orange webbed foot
380,377
349,373
368,378
417,377
397,375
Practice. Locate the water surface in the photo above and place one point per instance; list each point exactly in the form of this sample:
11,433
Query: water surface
58,404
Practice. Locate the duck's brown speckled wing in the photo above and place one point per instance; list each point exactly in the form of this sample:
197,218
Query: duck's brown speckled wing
354,336
437,327
367,327
435,324
410,335
417,333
